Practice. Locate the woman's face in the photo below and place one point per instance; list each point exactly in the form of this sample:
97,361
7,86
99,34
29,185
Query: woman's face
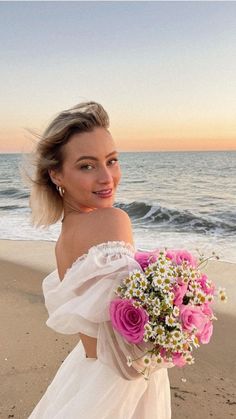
90,172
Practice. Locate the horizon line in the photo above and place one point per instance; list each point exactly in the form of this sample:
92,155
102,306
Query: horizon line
144,151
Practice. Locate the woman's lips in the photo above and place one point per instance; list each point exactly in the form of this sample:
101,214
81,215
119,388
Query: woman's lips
105,193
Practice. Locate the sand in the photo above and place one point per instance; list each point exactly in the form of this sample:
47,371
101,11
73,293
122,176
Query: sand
31,353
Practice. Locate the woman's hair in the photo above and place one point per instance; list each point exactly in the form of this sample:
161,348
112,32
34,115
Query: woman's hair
45,201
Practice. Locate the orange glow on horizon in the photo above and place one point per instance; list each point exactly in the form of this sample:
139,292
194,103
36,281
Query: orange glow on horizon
20,141
178,144
142,145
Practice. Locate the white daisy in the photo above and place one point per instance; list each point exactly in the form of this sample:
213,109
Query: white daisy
127,281
185,280
158,359
159,329
175,311
157,281
209,298
156,311
129,293
222,294
138,292
189,359
146,360
195,342
119,289
179,347
143,283
170,321
148,327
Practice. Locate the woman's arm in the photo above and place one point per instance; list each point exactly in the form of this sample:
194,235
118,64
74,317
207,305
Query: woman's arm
107,224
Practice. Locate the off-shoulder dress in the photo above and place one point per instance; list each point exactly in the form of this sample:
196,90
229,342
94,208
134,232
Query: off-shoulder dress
103,387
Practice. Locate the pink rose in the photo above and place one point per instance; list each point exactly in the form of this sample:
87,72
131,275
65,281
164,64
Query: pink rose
128,320
178,359
179,256
179,291
206,333
206,289
192,317
146,258
184,255
207,310
170,254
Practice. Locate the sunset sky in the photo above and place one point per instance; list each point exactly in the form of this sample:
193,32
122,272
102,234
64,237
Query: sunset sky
164,71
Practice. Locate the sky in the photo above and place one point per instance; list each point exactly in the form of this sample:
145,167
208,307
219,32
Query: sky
164,71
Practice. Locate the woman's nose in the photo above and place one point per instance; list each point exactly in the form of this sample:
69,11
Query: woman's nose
105,175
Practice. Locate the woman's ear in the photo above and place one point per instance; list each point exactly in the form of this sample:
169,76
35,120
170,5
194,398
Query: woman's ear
55,176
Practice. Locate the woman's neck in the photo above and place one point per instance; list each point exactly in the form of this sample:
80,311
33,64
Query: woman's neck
69,208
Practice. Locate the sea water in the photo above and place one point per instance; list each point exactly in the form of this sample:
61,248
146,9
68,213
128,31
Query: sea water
175,200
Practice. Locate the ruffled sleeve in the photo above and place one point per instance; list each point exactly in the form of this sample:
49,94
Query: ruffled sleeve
80,303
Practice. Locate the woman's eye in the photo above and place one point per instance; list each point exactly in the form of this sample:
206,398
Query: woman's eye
112,161
89,166
86,167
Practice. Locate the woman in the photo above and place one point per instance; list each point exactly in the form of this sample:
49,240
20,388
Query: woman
76,177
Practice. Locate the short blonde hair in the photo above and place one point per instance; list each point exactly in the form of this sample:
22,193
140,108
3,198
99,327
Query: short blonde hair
45,201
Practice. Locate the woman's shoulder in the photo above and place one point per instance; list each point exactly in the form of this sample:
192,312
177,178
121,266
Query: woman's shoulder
110,214
108,224
105,226
83,231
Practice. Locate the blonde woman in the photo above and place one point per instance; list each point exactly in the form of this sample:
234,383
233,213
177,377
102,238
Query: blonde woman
76,177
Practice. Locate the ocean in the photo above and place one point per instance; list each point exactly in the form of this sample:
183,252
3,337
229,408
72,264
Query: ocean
175,200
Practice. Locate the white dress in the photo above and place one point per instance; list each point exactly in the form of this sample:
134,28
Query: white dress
90,388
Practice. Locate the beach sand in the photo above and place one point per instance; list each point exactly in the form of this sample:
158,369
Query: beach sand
31,353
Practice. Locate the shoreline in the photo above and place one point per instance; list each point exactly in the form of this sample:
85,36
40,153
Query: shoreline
51,242
146,242
31,353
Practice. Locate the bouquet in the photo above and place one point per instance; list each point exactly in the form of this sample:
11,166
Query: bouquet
165,307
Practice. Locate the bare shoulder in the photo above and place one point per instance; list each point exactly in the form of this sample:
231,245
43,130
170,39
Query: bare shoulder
111,224
82,231
112,214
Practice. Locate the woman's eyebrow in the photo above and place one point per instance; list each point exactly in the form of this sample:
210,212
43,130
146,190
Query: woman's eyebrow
94,158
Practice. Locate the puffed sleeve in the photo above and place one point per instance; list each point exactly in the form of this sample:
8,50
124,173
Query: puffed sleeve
80,303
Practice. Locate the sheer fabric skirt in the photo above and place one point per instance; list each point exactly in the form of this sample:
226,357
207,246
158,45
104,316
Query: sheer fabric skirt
84,388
